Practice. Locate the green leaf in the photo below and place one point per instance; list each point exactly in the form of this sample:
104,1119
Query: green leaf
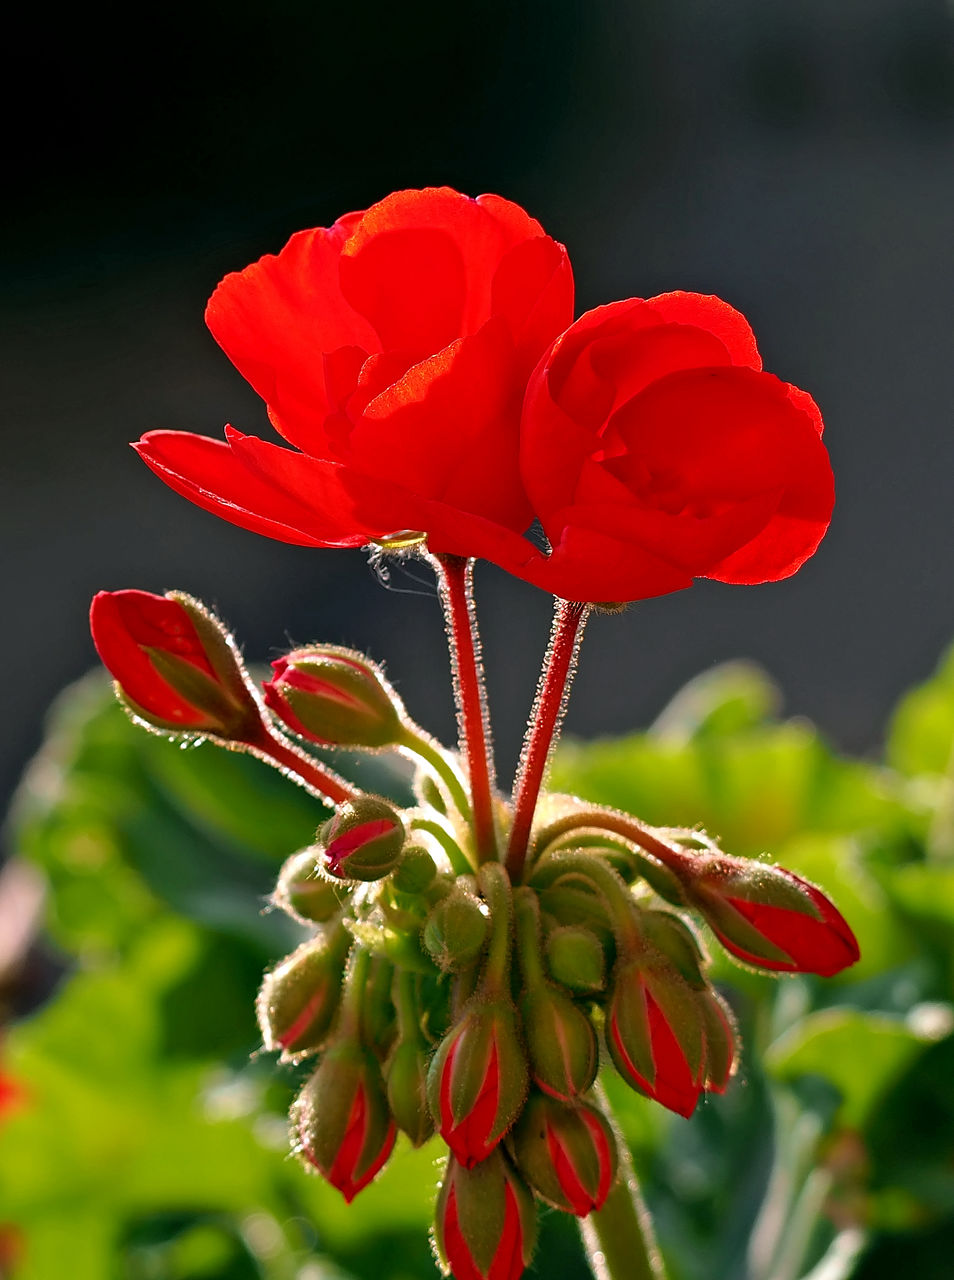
861,1054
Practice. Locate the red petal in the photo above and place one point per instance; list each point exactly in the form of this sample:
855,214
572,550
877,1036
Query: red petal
276,318
824,946
508,1263
456,1247
533,293
448,429
123,621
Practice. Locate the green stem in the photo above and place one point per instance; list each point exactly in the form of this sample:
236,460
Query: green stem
494,884
526,907
455,854
543,728
455,582
405,1002
619,1239
616,896
417,743
349,1017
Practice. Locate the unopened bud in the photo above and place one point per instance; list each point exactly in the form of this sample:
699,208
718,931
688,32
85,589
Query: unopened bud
769,917
340,1120
668,1037
561,1042
576,958
407,1091
175,665
456,930
335,697
485,1221
567,1154
362,840
299,998
416,872
303,891
478,1080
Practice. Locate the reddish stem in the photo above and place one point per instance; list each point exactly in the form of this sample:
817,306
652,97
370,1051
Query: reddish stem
455,580
292,759
543,729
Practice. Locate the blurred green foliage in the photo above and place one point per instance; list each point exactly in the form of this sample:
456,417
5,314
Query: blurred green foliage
151,1143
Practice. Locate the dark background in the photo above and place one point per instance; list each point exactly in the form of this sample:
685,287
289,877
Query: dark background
797,159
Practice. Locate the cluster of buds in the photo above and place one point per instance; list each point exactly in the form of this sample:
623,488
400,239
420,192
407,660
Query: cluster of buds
442,989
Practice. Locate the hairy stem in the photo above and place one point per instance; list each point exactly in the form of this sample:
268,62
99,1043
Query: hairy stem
299,765
419,744
619,1240
455,577
544,726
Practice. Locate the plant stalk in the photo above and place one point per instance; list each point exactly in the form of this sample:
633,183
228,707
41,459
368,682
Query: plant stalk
455,582
543,728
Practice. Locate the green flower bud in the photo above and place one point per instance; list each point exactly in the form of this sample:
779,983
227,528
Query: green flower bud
477,1082
576,959
567,1153
561,1042
340,1121
335,697
485,1221
304,892
416,872
299,998
407,1091
362,840
456,930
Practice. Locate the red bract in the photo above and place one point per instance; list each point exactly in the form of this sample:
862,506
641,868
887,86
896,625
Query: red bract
392,351
175,664
654,450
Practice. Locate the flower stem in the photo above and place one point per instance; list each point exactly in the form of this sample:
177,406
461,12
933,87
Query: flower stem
621,824
543,728
417,743
619,1240
298,764
455,582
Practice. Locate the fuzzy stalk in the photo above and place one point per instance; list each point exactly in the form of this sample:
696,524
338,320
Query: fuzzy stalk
543,728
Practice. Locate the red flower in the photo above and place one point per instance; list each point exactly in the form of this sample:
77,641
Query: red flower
393,351
175,664
654,450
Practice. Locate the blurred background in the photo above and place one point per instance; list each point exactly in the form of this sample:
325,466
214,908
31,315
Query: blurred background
797,159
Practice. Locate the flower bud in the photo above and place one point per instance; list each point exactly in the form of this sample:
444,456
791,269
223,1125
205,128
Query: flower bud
362,840
416,872
175,665
340,1120
477,1082
456,930
769,917
378,1023
667,1037
299,998
561,1042
407,1091
485,1222
304,892
335,697
576,959
567,1154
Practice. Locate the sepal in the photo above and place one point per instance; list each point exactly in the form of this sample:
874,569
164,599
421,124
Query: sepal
485,1222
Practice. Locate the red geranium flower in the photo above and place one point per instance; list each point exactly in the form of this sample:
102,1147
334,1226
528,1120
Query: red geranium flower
655,450
393,351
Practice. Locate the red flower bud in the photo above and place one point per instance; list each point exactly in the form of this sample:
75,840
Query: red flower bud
362,840
175,665
340,1120
668,1033
299,998
335,697
567,1154
478,1080
769,917
485,1222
